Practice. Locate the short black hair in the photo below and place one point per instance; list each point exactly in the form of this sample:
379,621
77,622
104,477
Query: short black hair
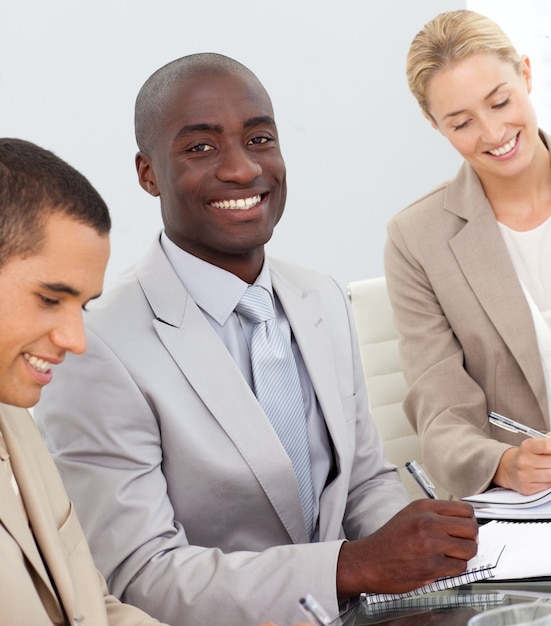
34,184
151,97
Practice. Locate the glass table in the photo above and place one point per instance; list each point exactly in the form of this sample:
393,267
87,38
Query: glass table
453,607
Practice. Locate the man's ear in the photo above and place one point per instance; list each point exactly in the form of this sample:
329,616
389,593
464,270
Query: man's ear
146,174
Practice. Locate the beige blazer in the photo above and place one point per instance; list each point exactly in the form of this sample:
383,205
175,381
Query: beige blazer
185,492
468,343
47,575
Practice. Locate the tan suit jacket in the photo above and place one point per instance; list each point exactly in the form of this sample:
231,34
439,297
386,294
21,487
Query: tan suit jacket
47,575
468,343
188,499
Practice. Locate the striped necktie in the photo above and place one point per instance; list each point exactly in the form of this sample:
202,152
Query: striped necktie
277,388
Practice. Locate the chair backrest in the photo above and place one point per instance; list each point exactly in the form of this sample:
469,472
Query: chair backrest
386,385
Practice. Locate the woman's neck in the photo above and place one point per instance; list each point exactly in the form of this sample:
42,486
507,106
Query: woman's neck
523,202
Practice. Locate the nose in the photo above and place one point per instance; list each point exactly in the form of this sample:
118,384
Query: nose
493,130
238,165
69,334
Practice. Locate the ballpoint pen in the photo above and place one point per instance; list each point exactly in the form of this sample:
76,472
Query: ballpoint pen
421,478
515,427
313,609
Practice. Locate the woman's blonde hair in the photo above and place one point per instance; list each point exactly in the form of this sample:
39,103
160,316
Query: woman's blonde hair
448,38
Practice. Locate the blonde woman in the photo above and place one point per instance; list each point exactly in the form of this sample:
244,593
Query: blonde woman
469,265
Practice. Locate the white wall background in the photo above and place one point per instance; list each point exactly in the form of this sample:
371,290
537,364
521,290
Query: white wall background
356,146
528,25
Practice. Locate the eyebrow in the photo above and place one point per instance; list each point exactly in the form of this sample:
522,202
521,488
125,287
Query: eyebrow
219,129
261,119
60,288
192,128
497,88
64,288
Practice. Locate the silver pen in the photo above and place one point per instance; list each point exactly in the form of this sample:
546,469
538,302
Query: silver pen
515,427
313,609
421,478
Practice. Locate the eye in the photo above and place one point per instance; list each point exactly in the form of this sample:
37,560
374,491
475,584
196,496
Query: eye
201,147
460,126
257,141
503,104
47,301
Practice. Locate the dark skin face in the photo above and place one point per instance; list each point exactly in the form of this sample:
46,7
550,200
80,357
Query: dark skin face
217,167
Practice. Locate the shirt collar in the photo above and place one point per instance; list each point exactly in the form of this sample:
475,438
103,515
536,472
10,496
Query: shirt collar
213,289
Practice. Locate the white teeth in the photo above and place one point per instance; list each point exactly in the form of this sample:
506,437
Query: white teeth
39,364
506,148
241,203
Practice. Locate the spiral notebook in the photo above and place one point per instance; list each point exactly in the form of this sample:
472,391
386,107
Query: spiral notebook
506,550
480,567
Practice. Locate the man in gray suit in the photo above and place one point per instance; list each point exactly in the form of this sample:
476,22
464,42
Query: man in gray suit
187,495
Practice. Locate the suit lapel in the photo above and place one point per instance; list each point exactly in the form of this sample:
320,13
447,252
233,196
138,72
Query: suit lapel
39,542
15,521
304,312
211,371
483,257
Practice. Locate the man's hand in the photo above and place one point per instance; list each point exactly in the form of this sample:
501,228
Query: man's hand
526,469
426,540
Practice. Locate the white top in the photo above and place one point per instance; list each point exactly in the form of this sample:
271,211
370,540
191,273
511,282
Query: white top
530,252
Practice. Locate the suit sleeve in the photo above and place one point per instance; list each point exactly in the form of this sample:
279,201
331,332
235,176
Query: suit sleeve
110,456
121,614
445,405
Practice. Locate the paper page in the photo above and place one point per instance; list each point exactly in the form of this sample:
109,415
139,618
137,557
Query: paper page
527,551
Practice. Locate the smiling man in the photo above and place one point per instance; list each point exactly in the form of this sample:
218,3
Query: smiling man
54,246
221,460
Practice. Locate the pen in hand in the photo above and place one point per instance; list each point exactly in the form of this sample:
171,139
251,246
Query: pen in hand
516,427
421,478
313,609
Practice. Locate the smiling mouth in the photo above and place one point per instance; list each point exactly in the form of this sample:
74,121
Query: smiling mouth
39,364
237,205
506,148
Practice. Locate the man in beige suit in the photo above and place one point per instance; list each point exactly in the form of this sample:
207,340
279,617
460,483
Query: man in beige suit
188,497
54,247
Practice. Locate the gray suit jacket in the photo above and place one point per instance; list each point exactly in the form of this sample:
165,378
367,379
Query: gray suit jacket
46,553
188,499
468,343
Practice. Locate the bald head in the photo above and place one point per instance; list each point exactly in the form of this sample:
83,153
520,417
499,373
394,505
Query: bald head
152,96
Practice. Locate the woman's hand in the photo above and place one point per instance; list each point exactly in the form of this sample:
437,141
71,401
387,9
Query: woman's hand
526,469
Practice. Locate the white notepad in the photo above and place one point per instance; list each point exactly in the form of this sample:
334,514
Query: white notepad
479,568
527,551
502,503
506,550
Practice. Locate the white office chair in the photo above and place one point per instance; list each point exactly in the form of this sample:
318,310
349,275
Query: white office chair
386,385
